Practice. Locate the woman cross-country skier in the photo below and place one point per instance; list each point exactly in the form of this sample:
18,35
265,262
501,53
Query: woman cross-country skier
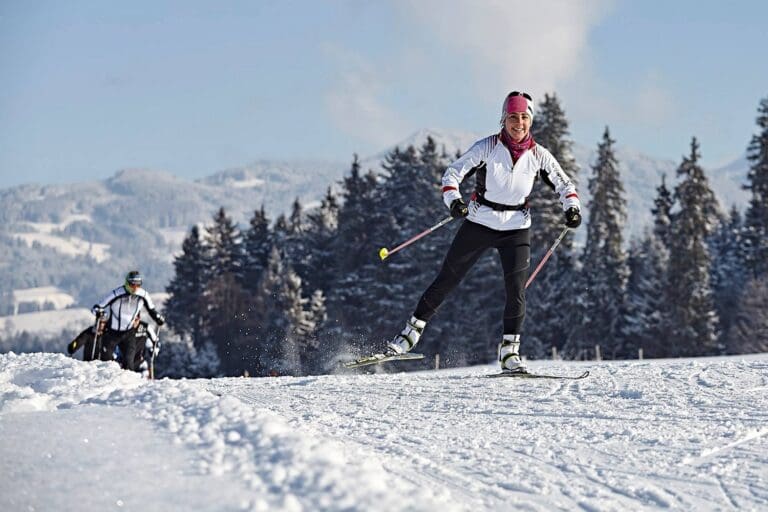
506,165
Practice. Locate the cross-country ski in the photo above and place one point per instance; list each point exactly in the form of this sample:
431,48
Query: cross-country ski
534,375
381,358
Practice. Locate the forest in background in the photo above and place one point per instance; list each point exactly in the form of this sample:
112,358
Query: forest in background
297,294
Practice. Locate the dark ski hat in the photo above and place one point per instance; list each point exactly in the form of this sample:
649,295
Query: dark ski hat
134,278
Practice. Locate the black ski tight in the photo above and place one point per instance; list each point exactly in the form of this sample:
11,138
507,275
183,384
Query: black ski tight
127,342
470,243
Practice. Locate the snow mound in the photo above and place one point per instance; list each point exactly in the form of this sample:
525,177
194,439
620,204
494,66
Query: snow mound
635,435
282,467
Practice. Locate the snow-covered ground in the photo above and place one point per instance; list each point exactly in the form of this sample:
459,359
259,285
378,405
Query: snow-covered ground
643,435
67,245
42,296
47,323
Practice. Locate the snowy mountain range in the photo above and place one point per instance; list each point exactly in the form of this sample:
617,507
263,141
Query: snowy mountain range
81,237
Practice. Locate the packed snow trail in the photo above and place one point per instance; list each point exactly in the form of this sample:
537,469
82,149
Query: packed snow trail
676,434
686,435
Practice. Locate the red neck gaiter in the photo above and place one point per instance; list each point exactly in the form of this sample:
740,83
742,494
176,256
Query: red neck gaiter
517,148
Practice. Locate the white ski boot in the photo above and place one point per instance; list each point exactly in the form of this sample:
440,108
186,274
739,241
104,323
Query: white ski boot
408,338
509,354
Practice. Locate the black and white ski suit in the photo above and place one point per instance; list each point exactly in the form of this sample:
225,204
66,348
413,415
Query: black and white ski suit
499,217
123,309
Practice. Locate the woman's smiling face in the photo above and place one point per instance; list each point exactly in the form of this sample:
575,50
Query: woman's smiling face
518,125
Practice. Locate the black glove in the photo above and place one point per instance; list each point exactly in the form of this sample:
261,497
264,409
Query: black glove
159,319
572,217
98,311
459,209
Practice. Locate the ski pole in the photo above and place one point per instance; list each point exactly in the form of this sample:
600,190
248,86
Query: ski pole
384,252
152,357
546,256
97,333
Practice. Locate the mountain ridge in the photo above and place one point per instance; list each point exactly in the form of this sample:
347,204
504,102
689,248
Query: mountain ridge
138,217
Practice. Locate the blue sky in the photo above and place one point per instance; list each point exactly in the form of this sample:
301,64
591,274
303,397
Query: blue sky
191,87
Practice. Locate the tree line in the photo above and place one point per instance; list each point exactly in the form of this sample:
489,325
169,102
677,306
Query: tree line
297,294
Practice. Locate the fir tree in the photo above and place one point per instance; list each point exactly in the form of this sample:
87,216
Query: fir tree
293,242
691,319
347,294
662,211
756,218
224,297
224,243
183,307
728,275
296,325
268,319
257,244
226,323
642,323
550,128
312,358
551,298
321,244
647,298
604,274
749,332
296,220
281,326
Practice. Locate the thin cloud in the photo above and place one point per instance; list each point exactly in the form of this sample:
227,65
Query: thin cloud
647,101
355,100
496,44
512,43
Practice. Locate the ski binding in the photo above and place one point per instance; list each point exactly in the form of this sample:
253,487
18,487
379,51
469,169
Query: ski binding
381,358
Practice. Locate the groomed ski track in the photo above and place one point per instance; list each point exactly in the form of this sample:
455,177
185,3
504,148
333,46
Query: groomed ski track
683,435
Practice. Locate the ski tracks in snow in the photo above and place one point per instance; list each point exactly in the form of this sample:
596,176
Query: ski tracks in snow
684,435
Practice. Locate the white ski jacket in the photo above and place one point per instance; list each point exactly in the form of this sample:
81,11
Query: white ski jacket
507,183
122,308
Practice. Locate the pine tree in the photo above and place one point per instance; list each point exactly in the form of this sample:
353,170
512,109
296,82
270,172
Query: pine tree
347,294
268,318
281,327
257,244
293,241
226,322
604,274
642,324
224,243
551,299
691,319
662,211
313,359
296,324
756,218
647,297
550,128
183,307
728,275
224,297
296,220
396,213
321,244
749,332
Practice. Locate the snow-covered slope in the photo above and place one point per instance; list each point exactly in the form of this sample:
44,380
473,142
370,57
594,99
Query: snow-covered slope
644,435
